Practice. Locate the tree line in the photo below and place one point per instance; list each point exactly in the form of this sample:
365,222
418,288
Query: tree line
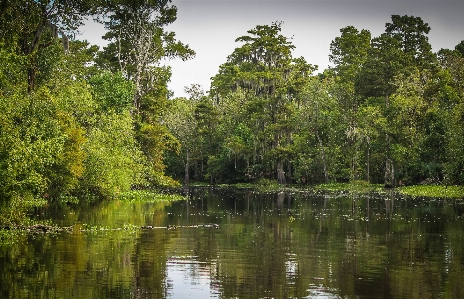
78,120
388,110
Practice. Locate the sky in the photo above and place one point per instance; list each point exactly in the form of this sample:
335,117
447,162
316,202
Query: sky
210,28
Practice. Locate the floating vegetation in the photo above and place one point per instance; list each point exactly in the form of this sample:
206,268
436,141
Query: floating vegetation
355,187
433,191
261,185
149,196
133,228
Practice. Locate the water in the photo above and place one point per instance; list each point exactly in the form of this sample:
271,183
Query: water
275,245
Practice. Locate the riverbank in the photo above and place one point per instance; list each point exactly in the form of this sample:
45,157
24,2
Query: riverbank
432,191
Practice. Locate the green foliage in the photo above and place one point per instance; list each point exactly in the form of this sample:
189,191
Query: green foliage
348,52
260,84
66,128
383,113
12,70
434,191
460,48
137,44
14,212
112,92
33,29
113,160
32,140
148,196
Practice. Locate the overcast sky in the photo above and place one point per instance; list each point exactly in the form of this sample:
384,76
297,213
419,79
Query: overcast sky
210,27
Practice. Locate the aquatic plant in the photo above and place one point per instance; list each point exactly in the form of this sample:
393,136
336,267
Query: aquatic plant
354,186
433,191
148,196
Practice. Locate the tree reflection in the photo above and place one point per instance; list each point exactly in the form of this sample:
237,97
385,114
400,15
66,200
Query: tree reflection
278,245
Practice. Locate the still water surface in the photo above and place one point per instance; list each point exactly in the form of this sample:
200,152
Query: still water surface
273,245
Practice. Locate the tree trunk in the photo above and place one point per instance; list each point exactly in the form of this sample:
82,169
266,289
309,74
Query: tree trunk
368,161
187,166
281,172
389,170
290,181
326,174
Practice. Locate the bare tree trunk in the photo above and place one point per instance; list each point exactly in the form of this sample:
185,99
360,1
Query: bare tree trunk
142,42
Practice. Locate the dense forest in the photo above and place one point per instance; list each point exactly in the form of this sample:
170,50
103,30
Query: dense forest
78,120
387,111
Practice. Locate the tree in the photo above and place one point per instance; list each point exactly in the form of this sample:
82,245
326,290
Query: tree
40,147
138,46
460,48
139,43
261,68
180,122
35,25
377,79
348,53
113,161
112,92
318,128
407,114
402,49
411,34
451,95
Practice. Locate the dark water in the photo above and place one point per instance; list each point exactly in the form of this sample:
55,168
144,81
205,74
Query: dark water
285,245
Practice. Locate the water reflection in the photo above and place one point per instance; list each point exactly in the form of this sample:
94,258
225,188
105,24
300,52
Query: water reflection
282,245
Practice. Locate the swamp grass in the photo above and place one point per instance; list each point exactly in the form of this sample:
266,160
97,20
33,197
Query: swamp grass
149,196
435,191
352,187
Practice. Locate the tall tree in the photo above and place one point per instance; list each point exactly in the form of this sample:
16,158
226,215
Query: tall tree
348,53
460,48
451,94
411,34
261,67
138,43
403,48
138,46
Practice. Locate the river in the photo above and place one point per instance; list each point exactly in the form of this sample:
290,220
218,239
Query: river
262,245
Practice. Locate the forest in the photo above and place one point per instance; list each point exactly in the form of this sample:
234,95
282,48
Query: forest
80,121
